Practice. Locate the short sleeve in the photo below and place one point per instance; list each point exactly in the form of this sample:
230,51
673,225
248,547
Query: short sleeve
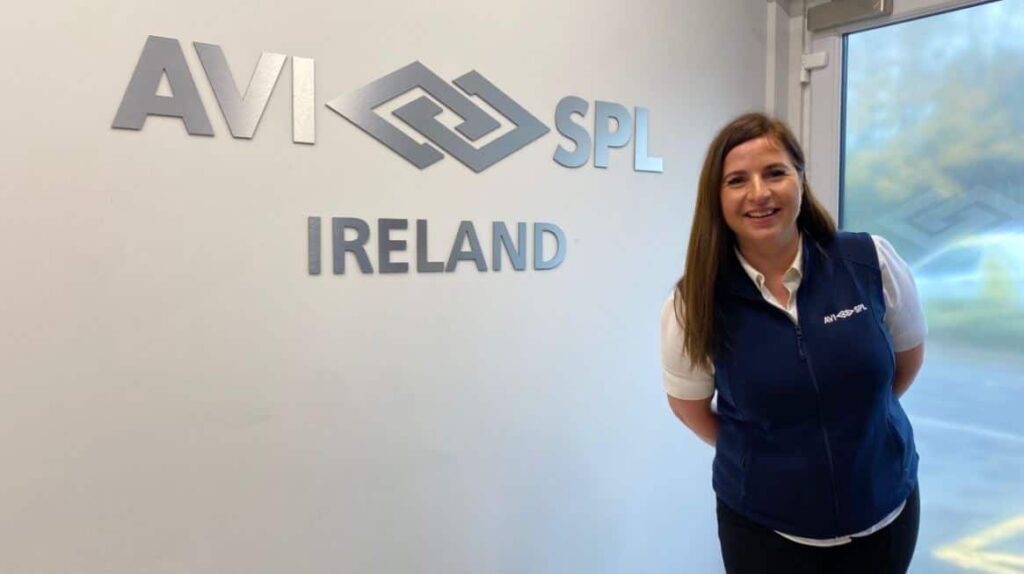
682,380
904,317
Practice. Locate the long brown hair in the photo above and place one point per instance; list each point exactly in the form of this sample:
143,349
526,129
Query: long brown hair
711,239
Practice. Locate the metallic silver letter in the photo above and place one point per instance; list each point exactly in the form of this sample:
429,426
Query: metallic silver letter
303,100
313,243
501,237
538,246
242,113
568,106
466,231
423,264
642,161
160,56
385,245
356,246
603,111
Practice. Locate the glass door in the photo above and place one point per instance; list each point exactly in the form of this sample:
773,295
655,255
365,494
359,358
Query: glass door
932,159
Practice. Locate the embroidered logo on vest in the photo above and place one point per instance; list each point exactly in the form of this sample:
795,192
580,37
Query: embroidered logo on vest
845,313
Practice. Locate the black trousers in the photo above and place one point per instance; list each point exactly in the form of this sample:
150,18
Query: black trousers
749,548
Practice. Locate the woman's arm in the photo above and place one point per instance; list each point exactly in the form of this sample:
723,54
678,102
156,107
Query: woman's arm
904,316
908,363
681,378
697,416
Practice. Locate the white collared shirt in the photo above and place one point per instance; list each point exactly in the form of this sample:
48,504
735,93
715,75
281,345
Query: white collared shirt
790,280
904,319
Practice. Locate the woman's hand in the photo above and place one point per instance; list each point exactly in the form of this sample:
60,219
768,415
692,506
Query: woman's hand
697,416
908,363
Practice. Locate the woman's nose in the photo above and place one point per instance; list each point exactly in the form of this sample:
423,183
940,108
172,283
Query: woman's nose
759,189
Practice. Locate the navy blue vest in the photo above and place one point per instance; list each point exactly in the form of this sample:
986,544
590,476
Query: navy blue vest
812,441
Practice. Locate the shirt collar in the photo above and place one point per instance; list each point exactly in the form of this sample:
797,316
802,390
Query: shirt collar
793,274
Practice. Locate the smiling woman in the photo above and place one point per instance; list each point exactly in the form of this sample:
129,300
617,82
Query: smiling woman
750,141
761,197
815,466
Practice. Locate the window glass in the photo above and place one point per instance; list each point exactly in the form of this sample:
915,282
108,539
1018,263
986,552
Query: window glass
933,160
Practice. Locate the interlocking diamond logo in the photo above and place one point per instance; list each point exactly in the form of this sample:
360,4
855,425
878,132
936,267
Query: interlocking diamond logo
421,114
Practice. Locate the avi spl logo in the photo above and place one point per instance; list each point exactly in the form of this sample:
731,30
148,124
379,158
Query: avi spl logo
421,115
845,313
242,111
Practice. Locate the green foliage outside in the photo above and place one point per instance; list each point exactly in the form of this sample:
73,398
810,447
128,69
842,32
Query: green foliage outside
934,152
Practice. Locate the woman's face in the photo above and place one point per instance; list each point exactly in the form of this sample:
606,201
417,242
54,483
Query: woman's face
761,194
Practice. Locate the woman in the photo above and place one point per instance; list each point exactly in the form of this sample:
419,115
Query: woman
808,336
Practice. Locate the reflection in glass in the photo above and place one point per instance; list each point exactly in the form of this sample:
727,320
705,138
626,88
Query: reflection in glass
934,161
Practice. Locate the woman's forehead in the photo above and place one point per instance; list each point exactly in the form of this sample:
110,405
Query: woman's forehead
762,150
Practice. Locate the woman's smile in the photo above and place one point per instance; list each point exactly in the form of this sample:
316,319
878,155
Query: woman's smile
763,214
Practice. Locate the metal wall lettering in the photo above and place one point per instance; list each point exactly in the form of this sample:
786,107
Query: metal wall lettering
242,113
351,235
604,137
303,100
357,107
539,229
357,246
642,161
569,106
313,244
162,56
466,233
385,245
502,239
423,264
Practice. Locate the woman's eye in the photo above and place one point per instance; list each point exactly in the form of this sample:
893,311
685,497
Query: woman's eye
734,182
777,173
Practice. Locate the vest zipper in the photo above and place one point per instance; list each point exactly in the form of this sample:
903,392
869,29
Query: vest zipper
824,432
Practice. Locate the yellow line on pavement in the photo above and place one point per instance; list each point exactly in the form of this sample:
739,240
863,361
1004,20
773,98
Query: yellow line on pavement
968,552
974,561
1011,559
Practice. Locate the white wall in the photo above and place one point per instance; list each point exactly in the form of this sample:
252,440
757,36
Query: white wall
180,396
